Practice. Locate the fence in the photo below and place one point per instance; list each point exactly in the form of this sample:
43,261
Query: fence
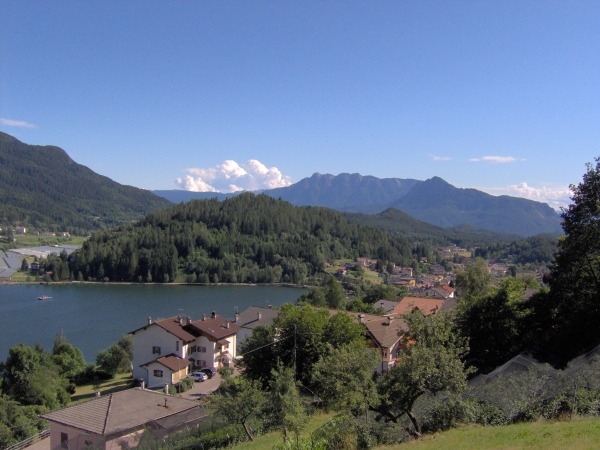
29,441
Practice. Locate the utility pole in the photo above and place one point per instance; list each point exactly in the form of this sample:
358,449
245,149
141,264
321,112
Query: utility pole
294,352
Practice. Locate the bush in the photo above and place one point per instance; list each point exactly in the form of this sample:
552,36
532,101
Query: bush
184,385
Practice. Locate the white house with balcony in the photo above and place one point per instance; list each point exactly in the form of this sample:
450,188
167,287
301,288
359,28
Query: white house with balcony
165,351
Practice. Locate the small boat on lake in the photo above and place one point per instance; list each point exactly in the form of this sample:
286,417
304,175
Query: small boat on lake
44,297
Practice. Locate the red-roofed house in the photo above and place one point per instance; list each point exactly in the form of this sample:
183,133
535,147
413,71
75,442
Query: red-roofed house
426,305
166,350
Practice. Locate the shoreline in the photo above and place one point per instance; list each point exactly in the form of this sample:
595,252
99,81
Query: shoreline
131,283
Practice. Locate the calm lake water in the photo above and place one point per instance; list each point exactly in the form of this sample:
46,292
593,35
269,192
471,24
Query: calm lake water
94,316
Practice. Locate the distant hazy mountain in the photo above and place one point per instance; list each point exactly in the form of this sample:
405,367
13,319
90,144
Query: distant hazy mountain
42,186
437,202
178,196
398,222
433,201
347,192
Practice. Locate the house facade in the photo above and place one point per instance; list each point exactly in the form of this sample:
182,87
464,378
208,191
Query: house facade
165,351
120,420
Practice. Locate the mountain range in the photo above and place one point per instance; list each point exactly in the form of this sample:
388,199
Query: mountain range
433,201
42,186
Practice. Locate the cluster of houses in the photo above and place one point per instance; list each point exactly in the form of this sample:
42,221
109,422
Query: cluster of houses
167,350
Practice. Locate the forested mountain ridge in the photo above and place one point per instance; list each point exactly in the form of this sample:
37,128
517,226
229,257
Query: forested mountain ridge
433,201
400,223
247,238
41,186
438,202
351,192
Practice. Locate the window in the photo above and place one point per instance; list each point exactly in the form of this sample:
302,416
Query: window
64,440
201,349
176,346
158,373
192,349
156,350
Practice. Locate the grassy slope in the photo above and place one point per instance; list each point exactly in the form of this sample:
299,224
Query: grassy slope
581,433
268,441
85,392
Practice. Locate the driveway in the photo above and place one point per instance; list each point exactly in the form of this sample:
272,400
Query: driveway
203,388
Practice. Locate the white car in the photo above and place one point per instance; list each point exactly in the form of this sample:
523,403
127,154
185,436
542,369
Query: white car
198,376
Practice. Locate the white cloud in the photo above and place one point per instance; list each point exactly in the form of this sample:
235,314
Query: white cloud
496,159
232,177
554,196
440,158
16,123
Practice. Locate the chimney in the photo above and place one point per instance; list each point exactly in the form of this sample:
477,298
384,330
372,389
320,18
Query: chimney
203,316
269,306
180,320
381,305
227,324
189,319
149,320
143,386
214,314
259,315
237,317
361,318
390,318
166,393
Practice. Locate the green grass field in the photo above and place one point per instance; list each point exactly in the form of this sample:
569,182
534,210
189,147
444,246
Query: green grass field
26,240
87,391
578,434
369,275
268,441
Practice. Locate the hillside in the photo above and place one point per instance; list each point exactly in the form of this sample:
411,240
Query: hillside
395,221
246,238
178,195
345,192
41,186
437,202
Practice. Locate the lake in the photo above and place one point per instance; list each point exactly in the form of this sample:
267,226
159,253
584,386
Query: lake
93,316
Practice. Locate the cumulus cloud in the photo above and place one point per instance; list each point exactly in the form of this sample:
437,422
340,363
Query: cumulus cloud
554,196
232,177
440,158
16,123
496,159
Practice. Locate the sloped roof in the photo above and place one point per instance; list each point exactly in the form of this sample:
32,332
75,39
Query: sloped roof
385,331
173,326
380,328
120,411
216,327
426,305
172,362
249,318
387,305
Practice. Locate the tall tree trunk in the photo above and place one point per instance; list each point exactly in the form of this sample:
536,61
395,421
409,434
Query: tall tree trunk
247,430
415,422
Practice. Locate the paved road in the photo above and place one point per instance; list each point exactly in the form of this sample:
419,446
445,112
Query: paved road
202,388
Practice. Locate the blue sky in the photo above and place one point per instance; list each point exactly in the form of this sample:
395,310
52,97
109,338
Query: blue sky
502,96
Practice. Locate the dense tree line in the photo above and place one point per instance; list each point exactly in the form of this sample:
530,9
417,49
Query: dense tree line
248,238
40,186
34,381
538,249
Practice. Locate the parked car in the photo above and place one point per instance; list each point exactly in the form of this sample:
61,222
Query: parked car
198,376
209,372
